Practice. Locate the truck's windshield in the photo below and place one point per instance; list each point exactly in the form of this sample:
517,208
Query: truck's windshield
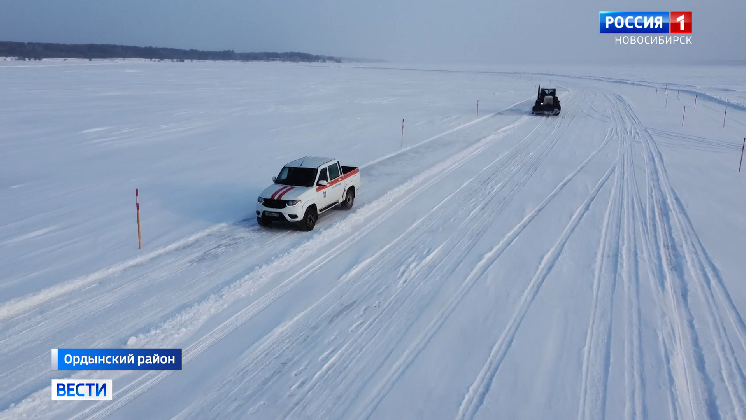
297,177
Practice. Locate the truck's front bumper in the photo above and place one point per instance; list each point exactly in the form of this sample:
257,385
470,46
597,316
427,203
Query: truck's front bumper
290,214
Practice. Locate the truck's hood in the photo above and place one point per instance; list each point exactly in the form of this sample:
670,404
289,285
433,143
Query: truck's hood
284,192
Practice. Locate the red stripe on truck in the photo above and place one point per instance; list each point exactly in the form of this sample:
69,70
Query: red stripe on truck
274,195
279,197
338,180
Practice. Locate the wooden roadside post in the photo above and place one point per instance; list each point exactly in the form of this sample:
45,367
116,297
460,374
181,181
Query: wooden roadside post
725,114
402,133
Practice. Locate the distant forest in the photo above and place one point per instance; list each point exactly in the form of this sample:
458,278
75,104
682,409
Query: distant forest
37,51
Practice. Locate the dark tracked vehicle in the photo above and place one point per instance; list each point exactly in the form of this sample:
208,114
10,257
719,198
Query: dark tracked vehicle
547,102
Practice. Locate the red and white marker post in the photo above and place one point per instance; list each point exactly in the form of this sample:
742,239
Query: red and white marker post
683,115
477,108
137,205
739,163
695,101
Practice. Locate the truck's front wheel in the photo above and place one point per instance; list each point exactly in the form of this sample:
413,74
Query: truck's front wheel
309,219
263,221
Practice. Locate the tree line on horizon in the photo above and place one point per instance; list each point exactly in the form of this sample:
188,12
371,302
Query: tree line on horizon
38,51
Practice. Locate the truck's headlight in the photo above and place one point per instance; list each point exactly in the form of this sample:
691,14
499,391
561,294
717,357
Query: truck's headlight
260,199
292,203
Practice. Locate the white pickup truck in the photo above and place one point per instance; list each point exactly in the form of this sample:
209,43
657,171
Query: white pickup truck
306,188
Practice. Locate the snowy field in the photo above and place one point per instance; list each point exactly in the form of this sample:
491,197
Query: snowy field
503,265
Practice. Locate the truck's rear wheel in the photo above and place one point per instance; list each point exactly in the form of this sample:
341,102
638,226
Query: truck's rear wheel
349,199
309,219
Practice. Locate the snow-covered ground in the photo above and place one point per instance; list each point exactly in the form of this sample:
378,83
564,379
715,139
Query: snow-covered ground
494,266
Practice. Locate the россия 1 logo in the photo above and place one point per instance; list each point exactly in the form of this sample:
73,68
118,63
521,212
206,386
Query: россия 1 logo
646,22
681,22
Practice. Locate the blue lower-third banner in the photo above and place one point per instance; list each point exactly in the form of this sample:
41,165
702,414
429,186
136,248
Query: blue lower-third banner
116,359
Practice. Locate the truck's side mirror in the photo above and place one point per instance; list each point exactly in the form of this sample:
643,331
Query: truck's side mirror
322,183
274,178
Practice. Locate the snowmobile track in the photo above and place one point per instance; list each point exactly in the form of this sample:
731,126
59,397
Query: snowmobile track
478,390
695,268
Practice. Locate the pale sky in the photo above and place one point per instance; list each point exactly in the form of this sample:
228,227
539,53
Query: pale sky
407,31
